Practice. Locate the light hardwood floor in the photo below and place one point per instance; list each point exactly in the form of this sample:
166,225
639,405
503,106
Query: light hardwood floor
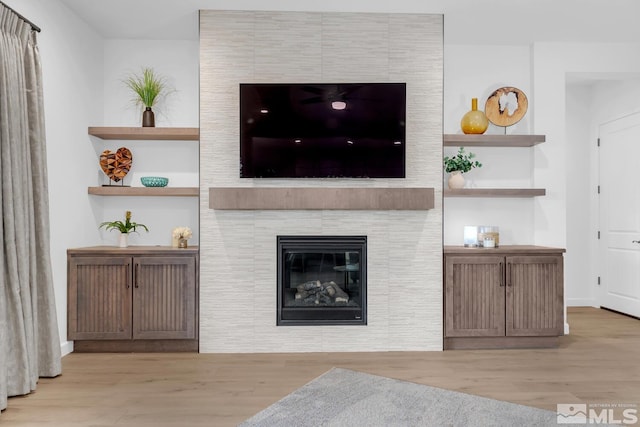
599,362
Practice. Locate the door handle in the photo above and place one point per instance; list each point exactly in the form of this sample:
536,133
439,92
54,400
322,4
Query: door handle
501,274
136,278
128,277
635,241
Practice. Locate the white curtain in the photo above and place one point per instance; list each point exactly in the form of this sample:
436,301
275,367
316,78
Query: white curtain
29,341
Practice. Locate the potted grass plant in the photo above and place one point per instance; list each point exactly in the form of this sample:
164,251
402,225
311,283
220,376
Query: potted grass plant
147,87
124,227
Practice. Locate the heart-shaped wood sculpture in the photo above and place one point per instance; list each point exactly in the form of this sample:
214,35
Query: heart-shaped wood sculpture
116,165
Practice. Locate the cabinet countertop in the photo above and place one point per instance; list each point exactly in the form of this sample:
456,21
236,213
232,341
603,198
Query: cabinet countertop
503,250
133,250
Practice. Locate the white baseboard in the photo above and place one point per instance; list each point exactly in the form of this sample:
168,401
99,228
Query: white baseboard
581,302
566,328
66,347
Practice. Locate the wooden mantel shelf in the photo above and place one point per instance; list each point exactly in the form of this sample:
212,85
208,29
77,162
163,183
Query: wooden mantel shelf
304,198
146,133
457,140
145,191
495,192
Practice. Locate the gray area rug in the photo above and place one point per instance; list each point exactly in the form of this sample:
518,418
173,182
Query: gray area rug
341,397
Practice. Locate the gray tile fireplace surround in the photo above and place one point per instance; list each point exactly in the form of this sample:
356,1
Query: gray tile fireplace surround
240,218
239,302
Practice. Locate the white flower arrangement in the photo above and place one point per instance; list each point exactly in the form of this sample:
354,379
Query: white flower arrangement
182,233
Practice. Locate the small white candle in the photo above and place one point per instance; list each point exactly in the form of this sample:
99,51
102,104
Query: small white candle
489,242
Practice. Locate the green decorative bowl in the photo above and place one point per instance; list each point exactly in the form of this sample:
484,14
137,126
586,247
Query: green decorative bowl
154,181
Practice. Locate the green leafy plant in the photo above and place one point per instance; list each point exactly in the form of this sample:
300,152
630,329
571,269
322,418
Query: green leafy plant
147,86
462,162
125,227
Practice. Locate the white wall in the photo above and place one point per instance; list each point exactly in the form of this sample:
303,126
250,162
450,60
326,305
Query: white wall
607,100
580,190
613,99
72,66
177,62
473,71
553,62
591,100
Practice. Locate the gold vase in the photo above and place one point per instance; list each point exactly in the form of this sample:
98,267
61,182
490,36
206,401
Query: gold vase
182,243
475,121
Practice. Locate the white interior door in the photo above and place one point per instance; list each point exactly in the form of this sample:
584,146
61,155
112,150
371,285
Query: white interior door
620,215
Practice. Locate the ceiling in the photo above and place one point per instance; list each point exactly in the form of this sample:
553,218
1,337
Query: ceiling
502,22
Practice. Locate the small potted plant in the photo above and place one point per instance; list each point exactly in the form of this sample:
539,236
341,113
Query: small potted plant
461,163
124,228
147,87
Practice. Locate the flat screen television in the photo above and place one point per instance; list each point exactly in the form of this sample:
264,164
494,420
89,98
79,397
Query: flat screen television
322,130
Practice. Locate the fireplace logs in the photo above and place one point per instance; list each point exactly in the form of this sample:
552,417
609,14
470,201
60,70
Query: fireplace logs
317,293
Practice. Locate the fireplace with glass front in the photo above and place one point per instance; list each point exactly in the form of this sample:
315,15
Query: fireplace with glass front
322,280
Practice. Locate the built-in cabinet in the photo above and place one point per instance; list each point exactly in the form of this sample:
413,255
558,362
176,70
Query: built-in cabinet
510,296
515,141
133,299
140,298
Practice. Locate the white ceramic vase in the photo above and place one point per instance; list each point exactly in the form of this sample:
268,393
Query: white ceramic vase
456,180
124,240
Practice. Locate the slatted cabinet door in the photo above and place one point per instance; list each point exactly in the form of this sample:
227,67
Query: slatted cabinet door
164,298
534,296
99,298
474,296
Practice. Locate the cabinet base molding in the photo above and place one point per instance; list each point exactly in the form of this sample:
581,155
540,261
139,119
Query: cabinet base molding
477,343
136,346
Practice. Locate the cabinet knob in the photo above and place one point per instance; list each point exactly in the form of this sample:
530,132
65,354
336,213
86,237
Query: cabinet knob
635,241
